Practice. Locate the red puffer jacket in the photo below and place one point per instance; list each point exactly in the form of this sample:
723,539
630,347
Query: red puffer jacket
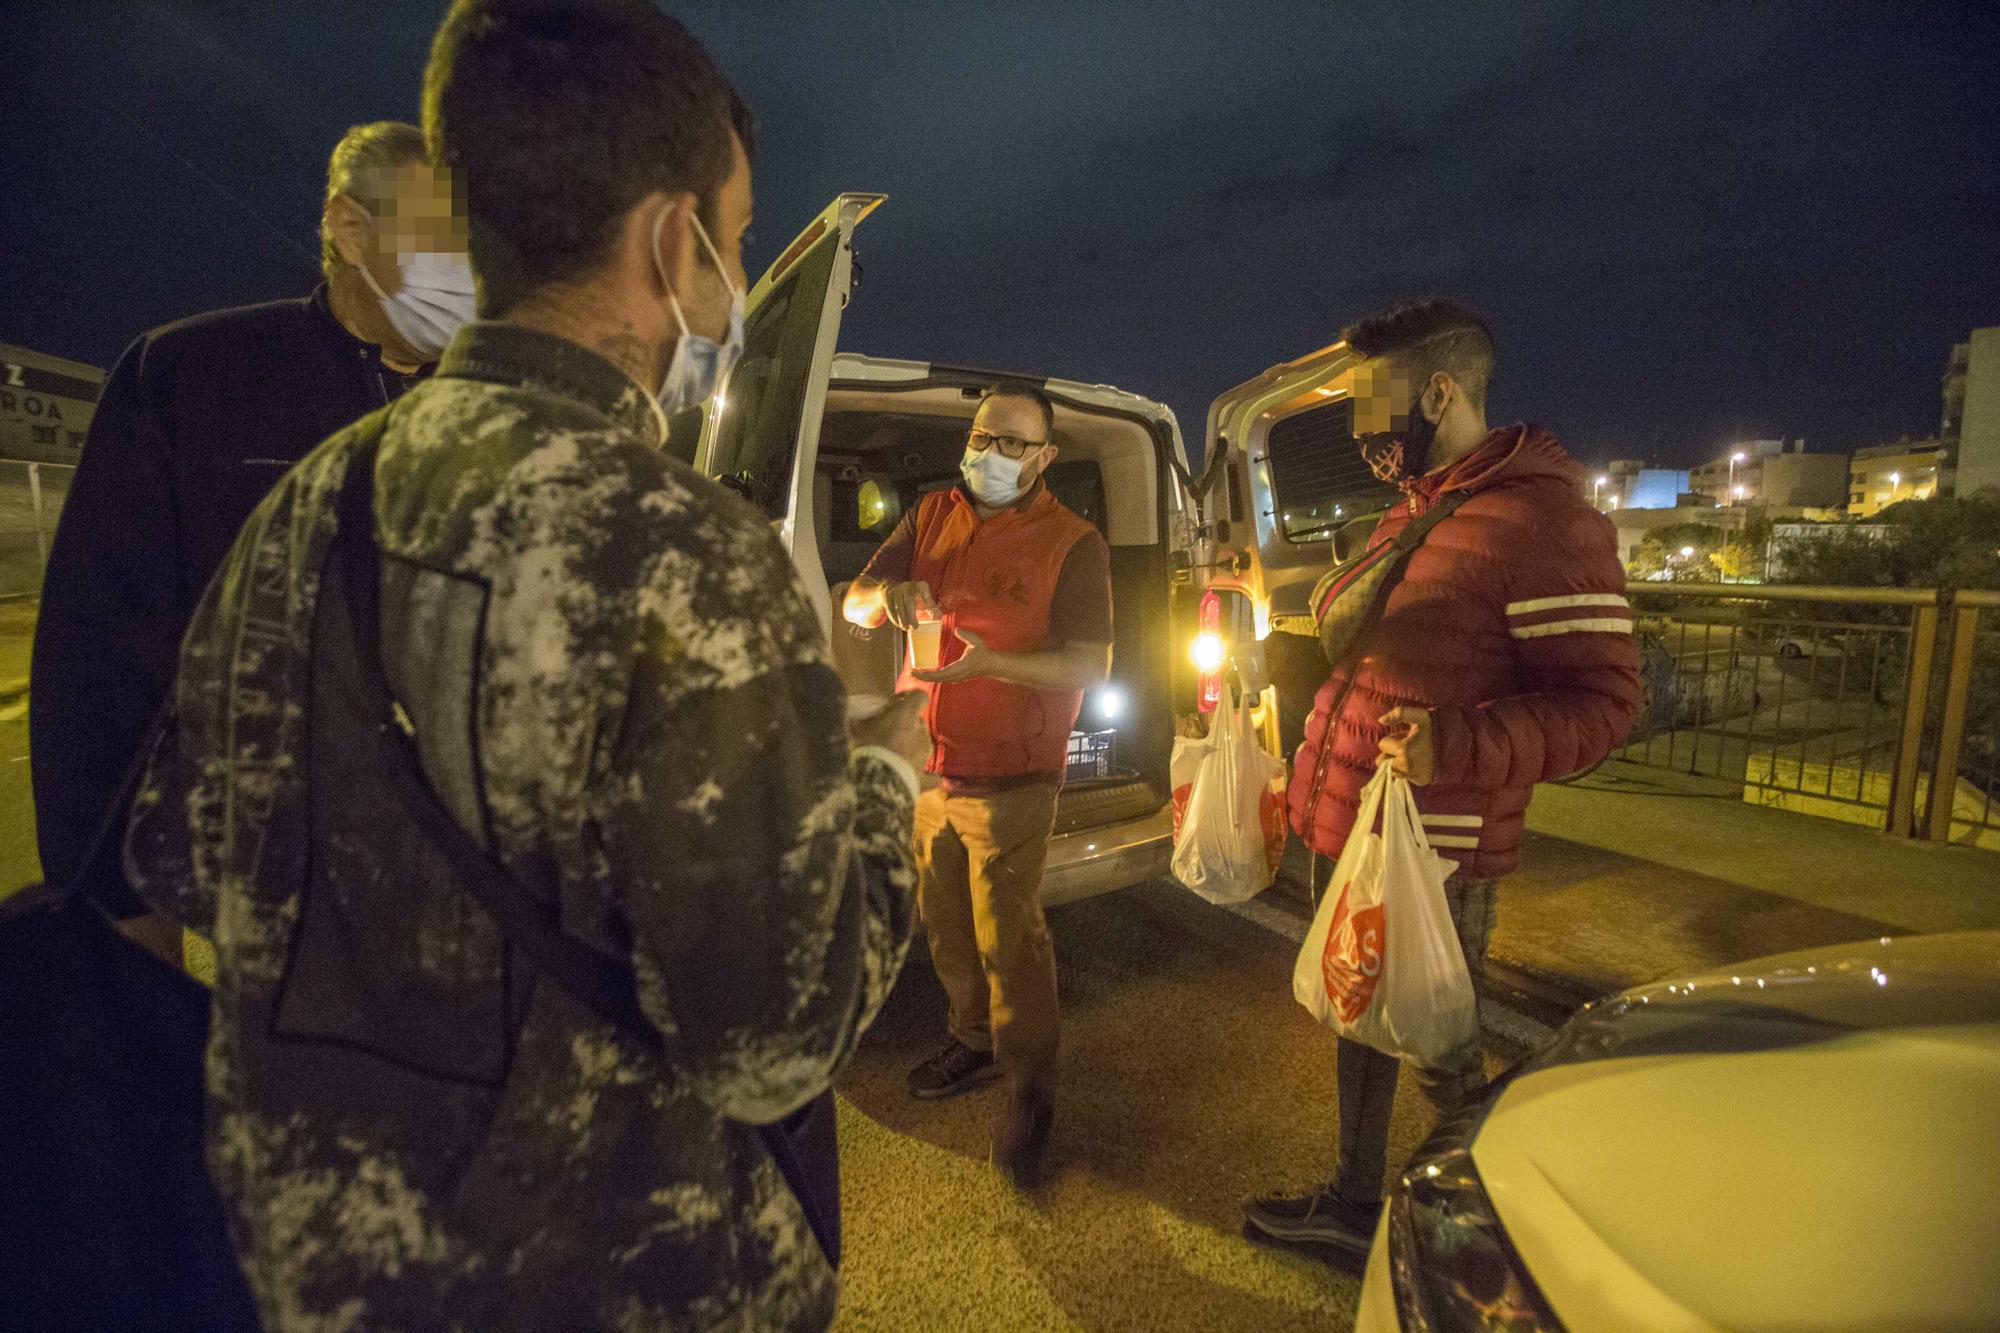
1510,624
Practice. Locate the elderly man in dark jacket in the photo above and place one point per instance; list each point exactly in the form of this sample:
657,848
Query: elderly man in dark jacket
197,422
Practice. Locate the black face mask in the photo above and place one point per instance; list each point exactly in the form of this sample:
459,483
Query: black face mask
1400,455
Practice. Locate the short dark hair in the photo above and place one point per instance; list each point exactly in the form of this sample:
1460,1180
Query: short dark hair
1028,393
556,117
1424,337
360,168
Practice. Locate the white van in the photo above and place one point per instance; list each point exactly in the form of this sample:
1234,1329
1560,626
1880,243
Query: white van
836,446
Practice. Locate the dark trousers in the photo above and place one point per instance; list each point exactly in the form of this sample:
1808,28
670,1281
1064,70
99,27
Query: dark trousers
109,1220
1368,1077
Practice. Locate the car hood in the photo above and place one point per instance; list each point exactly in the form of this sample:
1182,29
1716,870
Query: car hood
1806,1140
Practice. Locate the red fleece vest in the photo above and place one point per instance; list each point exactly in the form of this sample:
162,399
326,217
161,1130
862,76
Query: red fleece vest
996,578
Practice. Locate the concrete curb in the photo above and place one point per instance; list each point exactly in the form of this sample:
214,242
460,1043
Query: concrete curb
1545,996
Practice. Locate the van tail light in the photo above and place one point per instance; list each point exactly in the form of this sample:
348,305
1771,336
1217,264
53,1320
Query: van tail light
1209,652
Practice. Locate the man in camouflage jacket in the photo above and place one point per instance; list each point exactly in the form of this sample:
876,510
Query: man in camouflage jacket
410,1129
616,683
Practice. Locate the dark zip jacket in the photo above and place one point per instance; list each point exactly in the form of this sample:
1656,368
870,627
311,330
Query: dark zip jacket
197,422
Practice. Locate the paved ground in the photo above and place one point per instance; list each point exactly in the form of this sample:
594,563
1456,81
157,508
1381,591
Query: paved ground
1636,873
1191,1079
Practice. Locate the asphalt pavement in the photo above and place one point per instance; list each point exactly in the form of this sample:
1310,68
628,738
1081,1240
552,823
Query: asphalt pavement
1191,1079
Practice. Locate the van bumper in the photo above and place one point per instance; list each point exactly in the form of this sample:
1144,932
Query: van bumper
1091,861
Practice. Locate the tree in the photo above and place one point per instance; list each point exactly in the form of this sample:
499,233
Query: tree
1929,544
1732,560
1661,552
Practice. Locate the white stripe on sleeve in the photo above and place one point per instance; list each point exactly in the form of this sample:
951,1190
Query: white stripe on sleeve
1571,627
1558,603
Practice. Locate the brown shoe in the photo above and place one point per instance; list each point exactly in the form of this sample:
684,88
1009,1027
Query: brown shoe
1021,1148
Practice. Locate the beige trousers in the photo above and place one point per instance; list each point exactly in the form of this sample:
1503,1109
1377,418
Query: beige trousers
979,888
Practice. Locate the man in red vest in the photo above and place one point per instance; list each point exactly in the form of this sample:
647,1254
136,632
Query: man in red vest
1023,585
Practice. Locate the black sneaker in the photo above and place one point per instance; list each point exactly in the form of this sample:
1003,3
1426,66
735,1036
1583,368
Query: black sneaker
1322,1217
954,1069
1022,1146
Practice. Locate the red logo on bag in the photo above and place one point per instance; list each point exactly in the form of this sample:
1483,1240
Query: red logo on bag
1352,963
1181,795
1271,813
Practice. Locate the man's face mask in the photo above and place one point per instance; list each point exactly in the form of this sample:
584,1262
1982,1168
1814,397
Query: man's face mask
435,299
1404,454
699,365
993,478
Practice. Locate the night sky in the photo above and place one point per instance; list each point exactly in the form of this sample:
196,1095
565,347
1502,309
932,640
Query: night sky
1687,223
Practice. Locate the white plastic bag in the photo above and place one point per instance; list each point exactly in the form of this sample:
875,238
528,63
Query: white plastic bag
1382,962
1229,810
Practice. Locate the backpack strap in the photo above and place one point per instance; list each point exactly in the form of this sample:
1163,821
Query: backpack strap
603,984
1350,597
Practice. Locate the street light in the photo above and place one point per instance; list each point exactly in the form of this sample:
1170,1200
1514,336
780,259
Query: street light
1597,486
1737,491
1734,459
1686,551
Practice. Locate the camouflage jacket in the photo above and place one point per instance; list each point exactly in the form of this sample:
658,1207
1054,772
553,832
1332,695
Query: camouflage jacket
618,684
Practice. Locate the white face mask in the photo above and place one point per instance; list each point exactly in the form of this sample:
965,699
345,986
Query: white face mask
435,301
700,365
993,478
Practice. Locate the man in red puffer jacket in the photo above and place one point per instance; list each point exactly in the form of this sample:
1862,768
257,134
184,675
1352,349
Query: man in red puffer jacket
1503,657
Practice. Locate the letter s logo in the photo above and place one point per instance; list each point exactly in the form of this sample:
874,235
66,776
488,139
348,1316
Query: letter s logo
1369,946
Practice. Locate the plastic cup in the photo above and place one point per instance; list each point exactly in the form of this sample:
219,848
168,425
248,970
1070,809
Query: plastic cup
926,636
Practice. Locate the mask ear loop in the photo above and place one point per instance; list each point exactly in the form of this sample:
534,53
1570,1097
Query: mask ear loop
660,266
366,276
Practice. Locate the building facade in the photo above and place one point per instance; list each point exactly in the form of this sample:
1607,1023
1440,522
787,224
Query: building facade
1976,448
1628,483
1739,466
1778,473
1891,473
1799,481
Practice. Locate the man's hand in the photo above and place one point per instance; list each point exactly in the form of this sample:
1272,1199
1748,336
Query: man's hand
1411,745
903,602
900,729
977,660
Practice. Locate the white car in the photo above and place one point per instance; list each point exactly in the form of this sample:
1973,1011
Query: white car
836,446
1810,1141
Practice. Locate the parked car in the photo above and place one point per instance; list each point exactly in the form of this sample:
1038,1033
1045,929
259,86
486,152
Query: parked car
836,446
1803,1141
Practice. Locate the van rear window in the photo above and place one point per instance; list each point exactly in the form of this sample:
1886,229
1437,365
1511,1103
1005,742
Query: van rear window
1318,477
758,436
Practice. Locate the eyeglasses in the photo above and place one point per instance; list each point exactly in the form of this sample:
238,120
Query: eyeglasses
1010,446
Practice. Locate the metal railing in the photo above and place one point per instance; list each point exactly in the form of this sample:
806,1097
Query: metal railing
1832,700
31,496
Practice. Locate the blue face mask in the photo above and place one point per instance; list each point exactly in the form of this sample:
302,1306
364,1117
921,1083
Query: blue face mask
700,366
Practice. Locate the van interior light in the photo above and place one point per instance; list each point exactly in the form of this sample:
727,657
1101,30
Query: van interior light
1110,703
1208,652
